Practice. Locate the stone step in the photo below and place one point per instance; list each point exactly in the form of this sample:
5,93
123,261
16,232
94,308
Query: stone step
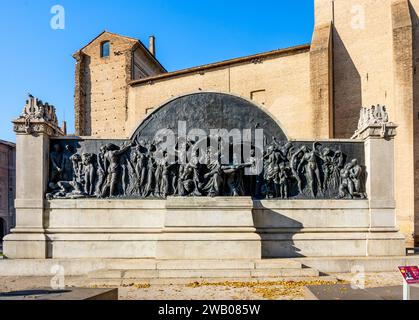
185,281
306,272
227,264
202,264
205,265
278,263
201,273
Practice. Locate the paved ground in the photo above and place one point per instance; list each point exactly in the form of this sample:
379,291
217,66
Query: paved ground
218,291
347,292
64,294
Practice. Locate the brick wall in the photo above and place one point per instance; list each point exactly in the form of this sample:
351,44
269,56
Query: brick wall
281,83
101,91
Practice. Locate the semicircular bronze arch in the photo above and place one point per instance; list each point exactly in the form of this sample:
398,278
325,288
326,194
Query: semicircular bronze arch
208,111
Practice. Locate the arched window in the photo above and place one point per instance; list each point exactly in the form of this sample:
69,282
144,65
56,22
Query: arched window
105,49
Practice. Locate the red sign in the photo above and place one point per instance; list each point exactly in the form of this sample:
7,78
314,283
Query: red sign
410,274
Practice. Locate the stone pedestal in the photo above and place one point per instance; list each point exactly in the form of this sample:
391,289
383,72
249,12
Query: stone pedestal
209,228
384,237
33,129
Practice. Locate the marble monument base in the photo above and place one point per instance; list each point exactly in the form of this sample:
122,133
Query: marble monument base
208,228
176,228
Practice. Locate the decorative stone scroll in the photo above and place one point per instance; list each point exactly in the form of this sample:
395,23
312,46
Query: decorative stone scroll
374,121
37,117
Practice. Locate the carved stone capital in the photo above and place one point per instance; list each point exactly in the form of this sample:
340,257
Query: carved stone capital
37,118
36,127
374,123
384,131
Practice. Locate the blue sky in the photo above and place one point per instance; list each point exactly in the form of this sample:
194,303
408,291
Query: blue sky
38,59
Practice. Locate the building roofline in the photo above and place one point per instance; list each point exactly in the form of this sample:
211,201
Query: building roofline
8,143
137,41
279,52
147,51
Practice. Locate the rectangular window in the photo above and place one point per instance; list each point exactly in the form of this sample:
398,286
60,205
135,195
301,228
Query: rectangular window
105,49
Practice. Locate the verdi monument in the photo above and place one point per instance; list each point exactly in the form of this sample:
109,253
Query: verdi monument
304,152
205,176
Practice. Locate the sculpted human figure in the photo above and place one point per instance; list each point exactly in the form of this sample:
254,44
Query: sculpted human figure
311,168
78,181
181,150
327,157
363,118
56,158
356,176
346,188
294,165
151,169
173,178
283,181
271,172
234,177
77,167
159,159
255,176
182,176
101,170
275,145
339,159
189,176
384,115
126,168
371,115
165,166
112,156
40,111
140,167
67,166
89,173
284,152
69,189
214,176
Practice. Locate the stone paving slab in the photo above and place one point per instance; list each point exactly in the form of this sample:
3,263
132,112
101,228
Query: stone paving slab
345,292
65,294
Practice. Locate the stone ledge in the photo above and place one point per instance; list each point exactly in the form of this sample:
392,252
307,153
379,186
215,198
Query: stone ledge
206,203
106,204
311,204
376,131
79,267
29,204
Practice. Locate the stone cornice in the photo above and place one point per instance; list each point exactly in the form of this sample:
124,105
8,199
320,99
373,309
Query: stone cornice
21,126
384,131
374,123
37,118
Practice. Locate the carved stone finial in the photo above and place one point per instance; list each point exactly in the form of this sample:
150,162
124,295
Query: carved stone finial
37,117
374,121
